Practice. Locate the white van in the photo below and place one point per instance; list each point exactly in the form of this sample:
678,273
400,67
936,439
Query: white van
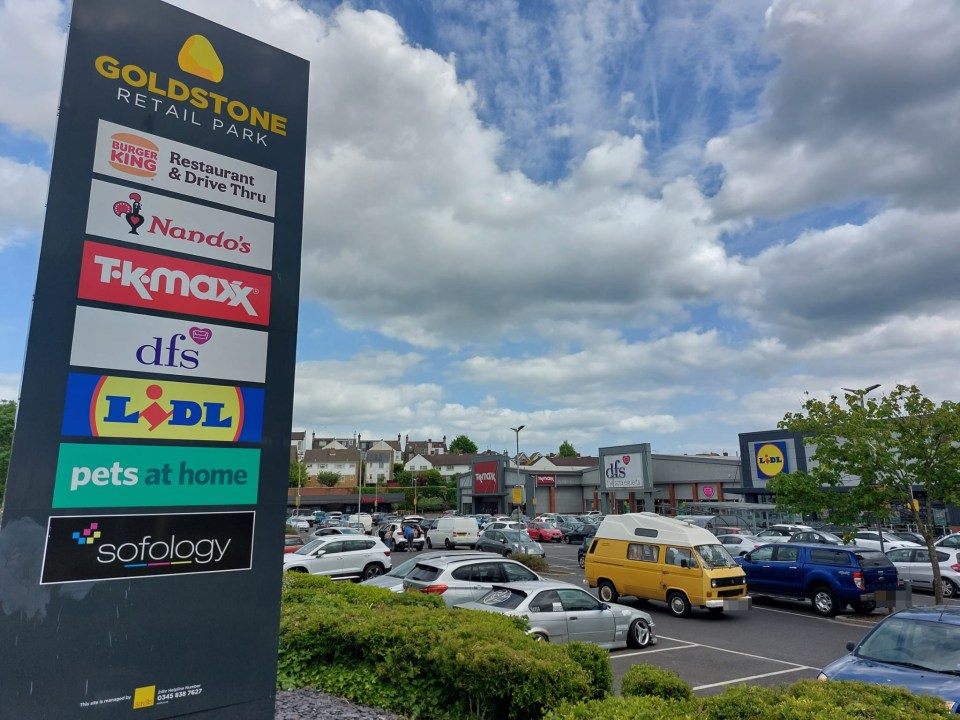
453,531
362,521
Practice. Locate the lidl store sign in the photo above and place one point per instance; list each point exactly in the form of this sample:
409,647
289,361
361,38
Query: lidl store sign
770,458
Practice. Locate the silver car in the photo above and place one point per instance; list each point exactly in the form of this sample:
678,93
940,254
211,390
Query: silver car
509,542
559,612
914,563
465,577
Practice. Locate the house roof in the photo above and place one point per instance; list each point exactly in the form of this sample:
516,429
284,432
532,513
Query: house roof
384,456
298,435
323,455
453,458
582,461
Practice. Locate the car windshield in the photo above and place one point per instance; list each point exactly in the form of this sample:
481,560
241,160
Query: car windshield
502,597
515,537
831,537
715,556
310,547
916,643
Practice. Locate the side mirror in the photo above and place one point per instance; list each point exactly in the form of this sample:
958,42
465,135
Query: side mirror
747,558
851,646
684,563
320,553
503,540
604,606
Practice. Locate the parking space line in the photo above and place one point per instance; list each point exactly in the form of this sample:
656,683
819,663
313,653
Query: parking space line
655,650
753,677
737,652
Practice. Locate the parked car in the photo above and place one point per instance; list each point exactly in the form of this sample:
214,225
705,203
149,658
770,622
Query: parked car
337,530
914,564
505,525
772,536
298,524
917,648
453,531
291,543
582,551
509,542
559,612
393,580
949,541
464,577
816,537
871,539
909,536
544,532
830,577
340,557
581,531
738,544
398,529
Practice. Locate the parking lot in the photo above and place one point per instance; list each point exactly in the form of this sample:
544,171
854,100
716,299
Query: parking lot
775,642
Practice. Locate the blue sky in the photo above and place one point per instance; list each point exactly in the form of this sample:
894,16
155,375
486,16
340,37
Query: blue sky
613,222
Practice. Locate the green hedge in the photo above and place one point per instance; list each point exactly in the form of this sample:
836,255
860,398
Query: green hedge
408,653
804,700
642,680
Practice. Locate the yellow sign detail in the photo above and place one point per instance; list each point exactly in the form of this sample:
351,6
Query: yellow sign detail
144,696
198,57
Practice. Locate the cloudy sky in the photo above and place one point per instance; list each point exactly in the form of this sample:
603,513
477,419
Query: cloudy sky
612,221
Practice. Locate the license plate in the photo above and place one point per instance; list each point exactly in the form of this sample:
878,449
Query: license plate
738,605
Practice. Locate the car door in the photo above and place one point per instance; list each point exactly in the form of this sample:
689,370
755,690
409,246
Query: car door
921,572
494,541
756,566
587,618
354,556
547,614
901,559
330,559
784,573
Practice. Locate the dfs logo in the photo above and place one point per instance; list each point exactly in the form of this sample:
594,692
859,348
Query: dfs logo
771,459
111,406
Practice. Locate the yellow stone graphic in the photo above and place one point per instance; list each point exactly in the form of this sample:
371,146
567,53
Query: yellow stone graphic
144,696
198,57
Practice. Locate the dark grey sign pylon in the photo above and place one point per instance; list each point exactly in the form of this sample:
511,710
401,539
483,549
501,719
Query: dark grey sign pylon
108,638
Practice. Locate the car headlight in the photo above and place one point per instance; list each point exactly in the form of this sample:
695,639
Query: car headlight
713,583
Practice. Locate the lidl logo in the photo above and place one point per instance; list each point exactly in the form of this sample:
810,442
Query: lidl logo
111,406
95,475
771,459
114,547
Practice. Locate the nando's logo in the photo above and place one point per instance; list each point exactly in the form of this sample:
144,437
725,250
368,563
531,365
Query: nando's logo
111,406
133,277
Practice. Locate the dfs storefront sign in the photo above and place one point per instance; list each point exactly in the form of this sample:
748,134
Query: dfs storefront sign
623,470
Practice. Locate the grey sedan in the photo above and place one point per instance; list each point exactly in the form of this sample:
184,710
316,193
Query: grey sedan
509,542
559,612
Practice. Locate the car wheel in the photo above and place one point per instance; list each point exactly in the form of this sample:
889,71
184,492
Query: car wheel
429,544
607,592
297,569
507,553
446,544
949,589
639,635
678,604
540,637
372,570
582,560
824,601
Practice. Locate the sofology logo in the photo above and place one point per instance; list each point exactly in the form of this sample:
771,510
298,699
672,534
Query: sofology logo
133,277
111,406
127,341
115,547
154,476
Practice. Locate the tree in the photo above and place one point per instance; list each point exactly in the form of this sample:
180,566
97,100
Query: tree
8,413
298,474
870,455
463,445
328,478
567,450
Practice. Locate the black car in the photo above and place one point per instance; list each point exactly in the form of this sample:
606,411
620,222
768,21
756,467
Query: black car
578,533
582,551
508,542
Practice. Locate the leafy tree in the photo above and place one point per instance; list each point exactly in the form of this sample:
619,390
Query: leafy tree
298,474
404,478
463,445
567,450
328,478
890,445
8,412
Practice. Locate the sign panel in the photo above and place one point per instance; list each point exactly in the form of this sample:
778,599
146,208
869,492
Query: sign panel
101,476
136,156
120,407
125,341
549,480
133,215
160,282
770,459
125,547
162,343
623,471
485,477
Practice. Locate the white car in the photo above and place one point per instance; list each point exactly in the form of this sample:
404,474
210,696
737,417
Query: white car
740,544
871,539
914,564
341,557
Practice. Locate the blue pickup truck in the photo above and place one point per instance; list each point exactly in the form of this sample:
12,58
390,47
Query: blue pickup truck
830,577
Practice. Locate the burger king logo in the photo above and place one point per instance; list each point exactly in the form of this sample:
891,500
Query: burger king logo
133,154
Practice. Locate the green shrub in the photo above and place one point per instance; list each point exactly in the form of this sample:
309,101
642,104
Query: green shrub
534,562
641,680
595,661
407,652
628,708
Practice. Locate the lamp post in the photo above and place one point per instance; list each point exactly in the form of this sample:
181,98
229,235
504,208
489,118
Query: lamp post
861,394
517,460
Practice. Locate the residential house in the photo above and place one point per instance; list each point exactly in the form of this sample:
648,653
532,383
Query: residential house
424,447
333,458
378,467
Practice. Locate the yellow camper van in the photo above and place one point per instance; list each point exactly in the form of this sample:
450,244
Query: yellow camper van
660,558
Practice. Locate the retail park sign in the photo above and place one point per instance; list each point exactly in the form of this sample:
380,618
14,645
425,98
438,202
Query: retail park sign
161,346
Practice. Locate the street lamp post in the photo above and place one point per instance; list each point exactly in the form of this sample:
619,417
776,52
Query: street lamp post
517,460
861,393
